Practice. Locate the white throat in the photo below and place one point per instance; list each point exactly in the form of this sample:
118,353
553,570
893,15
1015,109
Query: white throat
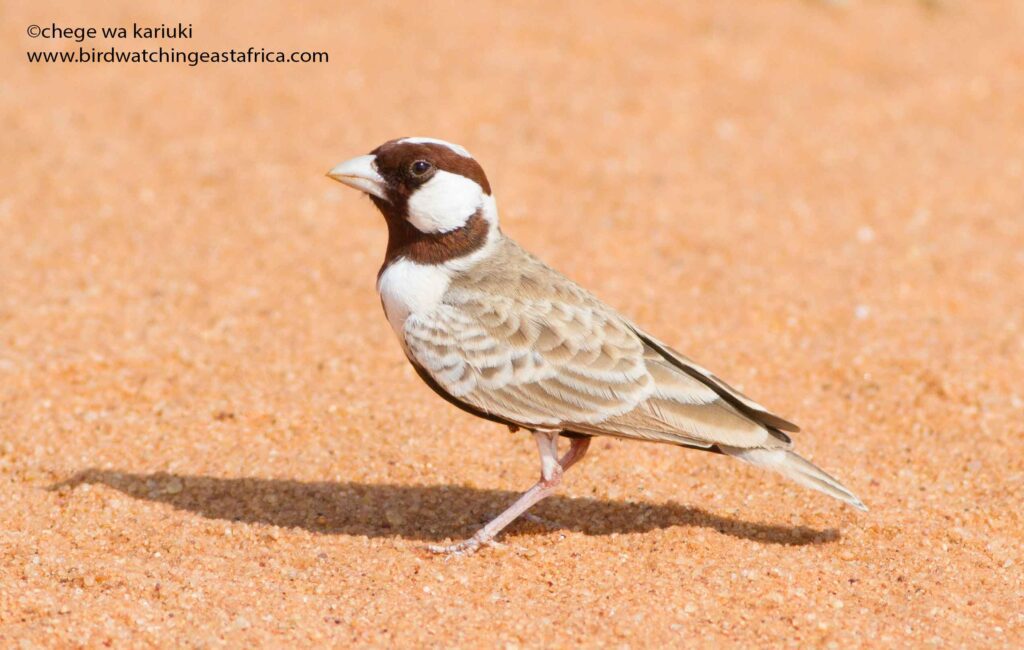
409,288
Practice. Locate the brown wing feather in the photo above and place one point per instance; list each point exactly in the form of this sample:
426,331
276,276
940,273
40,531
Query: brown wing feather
521,344
741,402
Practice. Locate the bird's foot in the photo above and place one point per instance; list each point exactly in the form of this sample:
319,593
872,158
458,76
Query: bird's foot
464,548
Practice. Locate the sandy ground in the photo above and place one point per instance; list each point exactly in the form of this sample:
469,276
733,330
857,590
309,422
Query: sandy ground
208,435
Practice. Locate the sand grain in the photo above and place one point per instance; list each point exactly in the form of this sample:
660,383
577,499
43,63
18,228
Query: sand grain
208,435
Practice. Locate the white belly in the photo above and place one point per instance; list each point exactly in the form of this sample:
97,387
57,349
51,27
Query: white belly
409,288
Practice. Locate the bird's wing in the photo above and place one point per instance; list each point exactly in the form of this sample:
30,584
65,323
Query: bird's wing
738,400
538,351
538,363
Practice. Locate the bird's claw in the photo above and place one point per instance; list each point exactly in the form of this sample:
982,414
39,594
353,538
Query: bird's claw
464,548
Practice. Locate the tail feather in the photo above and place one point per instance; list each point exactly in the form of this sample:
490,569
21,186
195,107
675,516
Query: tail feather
798,469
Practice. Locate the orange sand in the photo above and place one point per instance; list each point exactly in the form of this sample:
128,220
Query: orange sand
208,435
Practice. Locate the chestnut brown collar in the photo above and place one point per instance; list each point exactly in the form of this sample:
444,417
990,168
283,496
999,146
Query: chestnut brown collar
405,241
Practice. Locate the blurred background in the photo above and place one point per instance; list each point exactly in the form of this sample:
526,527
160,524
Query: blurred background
208,433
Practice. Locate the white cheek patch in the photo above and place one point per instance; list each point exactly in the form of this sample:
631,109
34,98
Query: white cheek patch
444,203
459,149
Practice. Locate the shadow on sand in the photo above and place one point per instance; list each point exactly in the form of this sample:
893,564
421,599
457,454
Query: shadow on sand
416,512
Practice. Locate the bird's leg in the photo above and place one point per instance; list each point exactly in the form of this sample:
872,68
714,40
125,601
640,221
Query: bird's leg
577,450
551,470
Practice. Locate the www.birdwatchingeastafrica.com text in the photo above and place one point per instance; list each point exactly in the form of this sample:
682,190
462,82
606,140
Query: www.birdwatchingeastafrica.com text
173,55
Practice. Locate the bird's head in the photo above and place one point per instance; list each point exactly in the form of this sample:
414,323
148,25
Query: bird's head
431,185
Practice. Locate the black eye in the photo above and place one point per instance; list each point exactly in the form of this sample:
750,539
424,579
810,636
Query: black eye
420,167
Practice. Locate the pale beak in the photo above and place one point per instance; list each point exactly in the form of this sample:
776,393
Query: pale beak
361,174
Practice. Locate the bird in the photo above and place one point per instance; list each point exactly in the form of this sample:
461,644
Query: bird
501,335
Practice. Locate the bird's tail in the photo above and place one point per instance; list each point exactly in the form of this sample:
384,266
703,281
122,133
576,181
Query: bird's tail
798,469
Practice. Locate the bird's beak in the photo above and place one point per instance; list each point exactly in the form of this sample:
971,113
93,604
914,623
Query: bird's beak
361,174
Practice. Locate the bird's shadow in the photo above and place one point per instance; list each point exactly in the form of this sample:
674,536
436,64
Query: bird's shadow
416,512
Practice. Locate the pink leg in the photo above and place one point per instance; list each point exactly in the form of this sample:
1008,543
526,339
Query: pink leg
577,450
551,475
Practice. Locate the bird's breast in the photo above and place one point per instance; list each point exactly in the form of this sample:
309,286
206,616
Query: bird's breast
408,288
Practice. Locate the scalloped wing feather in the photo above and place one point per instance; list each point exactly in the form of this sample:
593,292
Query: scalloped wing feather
518,341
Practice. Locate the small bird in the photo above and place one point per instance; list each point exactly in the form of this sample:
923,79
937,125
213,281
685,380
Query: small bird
497,333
